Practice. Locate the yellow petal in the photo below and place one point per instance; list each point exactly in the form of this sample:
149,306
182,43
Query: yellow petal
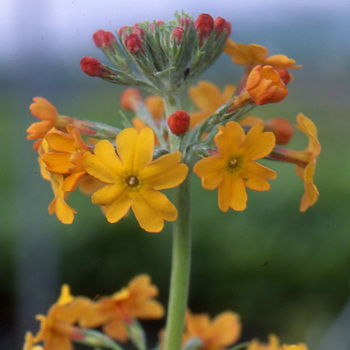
151,208
211,171
108,194
226,328
165,172
281,61
229,138
119,208
60,141
232,193
258,144
104,164
57,162
255,176
135,149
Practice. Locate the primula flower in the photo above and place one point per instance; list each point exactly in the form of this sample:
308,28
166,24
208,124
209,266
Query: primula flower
305,160
56,329
59,206
114,312
44,110
265,85
133,179
208,98
274,344
232,167
222,331
65,156
253,54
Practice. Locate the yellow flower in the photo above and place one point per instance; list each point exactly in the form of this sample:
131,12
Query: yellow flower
134,301
66,156
44,110
133,179
233,167
274,344
253,54
305,160
222,331
56,329
208,98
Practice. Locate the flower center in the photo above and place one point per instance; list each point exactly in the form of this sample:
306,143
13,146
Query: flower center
232,163
132,181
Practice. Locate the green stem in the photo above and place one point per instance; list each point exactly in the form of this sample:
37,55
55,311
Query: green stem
181,254
180,270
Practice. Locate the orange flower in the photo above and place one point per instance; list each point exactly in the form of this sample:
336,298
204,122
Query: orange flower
222,331
59,206
56,329
274,344
208,98
253,54
66,156
44,110
305,160
265,85
233,168
134,301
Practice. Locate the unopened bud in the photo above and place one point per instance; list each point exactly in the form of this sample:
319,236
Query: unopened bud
285,75
123,30
179,122
185,22
282,128
107,39
221,25
93,67
97,37
139,31
204,25
133,44
177,33
130,99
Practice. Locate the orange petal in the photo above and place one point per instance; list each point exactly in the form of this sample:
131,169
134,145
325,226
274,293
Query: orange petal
232,193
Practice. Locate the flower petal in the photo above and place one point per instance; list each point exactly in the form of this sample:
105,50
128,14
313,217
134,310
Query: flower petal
211,171
164,172
105,165
255,175
151,208
258,144
229,138
135,149
118,208
232,193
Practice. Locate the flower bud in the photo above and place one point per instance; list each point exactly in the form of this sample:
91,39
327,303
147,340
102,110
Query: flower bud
94,68
133,44
285,75
177,33
107,39
204,25
179,122
265,85
185,22
282,129
222,25
130,99
97,37
139,31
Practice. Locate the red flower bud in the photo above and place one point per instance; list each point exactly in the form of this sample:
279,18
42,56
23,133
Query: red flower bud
139,31
185,22
204,25
282,128
97,37
179,122
107,39
122,30
222,25
286,77
94,68
133,44
130,99
178,33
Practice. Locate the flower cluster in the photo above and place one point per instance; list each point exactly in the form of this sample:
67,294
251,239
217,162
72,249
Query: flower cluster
161,145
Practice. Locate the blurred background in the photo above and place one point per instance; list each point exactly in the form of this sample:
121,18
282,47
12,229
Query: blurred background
284,272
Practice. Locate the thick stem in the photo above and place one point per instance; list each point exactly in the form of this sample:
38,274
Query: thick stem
181,254
180,271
